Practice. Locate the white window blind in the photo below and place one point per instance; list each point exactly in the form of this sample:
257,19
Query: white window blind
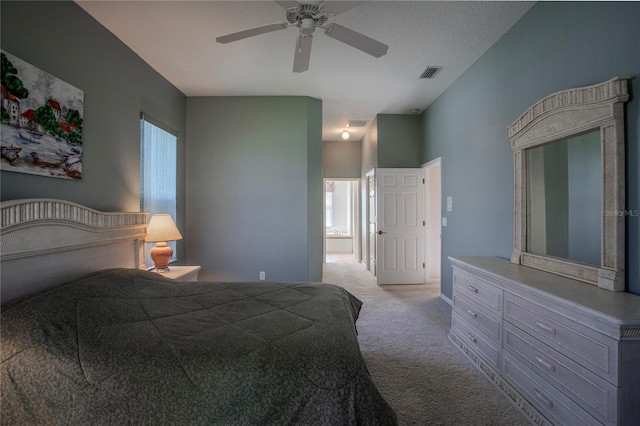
158,170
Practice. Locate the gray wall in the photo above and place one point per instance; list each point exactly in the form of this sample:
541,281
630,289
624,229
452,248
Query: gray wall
63,40
341,159
555,46
392,140
399,138
254,191
315,191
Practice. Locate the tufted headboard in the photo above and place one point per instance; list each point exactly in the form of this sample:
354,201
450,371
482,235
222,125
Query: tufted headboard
45,242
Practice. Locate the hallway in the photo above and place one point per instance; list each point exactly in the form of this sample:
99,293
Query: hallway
340,258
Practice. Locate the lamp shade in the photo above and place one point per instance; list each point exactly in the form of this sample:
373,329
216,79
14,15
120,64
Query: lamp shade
162,228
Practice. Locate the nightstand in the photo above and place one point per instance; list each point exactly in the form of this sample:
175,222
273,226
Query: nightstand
181,273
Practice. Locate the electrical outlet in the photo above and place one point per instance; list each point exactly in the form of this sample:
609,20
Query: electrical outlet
262,276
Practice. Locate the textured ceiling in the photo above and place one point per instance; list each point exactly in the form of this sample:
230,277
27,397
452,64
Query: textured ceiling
177,38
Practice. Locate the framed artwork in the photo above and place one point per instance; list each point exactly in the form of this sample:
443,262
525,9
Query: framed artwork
41,124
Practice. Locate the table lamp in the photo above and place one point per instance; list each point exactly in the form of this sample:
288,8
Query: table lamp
161,229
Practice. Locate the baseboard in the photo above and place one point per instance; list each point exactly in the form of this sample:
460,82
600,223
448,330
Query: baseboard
446,299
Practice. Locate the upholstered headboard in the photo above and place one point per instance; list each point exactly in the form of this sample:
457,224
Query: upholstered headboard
44,242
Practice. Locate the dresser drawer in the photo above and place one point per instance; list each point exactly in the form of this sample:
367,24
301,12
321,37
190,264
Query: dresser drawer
555,406
594,351
595,395
477,341
488,322
477,290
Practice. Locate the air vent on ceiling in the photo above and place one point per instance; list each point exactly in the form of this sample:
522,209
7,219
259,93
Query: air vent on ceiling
356,123
429,72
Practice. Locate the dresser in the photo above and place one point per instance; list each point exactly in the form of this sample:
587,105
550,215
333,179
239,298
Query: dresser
566,352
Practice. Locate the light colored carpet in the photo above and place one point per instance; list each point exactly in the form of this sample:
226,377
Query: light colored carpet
403,337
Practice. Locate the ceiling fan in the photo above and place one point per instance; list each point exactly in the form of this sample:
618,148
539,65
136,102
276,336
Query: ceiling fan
307,16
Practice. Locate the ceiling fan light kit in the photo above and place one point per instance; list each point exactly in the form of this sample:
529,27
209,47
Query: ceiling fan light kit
307,26
307,16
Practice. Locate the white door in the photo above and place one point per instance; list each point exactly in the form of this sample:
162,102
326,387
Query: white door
371,220
400,239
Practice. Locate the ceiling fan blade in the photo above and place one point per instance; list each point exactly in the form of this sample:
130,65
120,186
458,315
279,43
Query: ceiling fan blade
336,7
251,32
357,40
302,54
287,4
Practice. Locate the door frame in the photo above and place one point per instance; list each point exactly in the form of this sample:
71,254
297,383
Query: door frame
355,216
429,275
368,251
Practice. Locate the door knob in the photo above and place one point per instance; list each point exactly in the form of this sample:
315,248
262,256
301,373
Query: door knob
381,232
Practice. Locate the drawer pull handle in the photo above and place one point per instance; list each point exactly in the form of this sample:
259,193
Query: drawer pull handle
472,289
543,398
546,327
546,364
472,313
472,338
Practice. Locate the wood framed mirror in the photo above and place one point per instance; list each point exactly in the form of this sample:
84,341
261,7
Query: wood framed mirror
569,184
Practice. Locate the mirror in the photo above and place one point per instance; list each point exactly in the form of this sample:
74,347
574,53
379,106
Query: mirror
568,156
564,198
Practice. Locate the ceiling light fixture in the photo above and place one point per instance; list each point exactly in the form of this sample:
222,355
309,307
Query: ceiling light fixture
345,135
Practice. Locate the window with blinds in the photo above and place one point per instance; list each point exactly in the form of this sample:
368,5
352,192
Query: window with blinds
158,174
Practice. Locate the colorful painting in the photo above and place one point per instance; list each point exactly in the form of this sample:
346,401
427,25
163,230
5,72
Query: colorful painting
41,125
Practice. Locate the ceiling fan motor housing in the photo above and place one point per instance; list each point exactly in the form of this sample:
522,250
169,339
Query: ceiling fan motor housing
307,26
307,16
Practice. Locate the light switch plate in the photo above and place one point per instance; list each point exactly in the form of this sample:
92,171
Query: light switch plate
449,203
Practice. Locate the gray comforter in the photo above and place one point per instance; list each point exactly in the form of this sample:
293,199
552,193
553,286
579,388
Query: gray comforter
129,347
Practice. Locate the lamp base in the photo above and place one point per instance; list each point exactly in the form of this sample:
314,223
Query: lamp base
161,255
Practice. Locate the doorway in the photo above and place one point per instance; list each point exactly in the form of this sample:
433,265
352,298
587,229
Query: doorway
433,214
341,220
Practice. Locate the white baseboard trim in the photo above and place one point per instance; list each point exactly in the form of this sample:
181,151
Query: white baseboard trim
446,299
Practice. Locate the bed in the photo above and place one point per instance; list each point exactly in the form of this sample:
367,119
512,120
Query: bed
120,345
